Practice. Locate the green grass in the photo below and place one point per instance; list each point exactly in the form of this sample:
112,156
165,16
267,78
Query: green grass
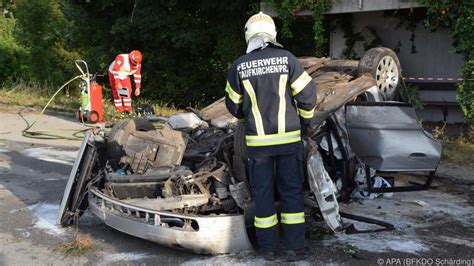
35,95
460,150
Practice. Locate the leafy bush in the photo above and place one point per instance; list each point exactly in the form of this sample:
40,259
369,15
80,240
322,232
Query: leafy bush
13,57
287,11
186,45
458,15
44,30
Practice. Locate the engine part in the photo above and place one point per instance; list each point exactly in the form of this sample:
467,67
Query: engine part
241,194
173,203
184,121
135,142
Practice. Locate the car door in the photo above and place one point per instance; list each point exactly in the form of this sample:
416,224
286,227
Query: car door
388,137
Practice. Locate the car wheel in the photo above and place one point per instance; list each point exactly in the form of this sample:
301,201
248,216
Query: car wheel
79,116
383,64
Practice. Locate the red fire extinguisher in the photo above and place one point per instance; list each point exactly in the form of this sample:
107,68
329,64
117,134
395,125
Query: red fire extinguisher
91,110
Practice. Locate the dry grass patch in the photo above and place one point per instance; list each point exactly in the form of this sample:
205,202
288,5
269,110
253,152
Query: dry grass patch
78,247
458,151
32,94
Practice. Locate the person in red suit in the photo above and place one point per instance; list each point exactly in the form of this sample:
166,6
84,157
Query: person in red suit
119,72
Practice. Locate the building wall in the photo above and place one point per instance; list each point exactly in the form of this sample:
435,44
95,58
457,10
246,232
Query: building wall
434,57
434,60
350,6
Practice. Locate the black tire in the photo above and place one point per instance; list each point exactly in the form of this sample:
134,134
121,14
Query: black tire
378,62
240,148
119,134
79,116
92,117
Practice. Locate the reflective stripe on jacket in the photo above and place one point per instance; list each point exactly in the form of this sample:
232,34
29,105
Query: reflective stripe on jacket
121,69
271,90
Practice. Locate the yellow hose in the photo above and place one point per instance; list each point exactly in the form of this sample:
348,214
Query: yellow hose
47,134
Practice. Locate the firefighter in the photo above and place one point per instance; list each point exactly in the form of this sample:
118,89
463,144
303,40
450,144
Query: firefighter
269,89
120,69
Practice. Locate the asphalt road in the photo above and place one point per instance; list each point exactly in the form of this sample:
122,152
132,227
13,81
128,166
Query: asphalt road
431,226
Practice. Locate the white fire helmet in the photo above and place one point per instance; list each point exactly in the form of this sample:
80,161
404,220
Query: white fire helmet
260,24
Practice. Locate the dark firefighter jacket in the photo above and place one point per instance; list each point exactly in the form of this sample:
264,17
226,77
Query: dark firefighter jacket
271,91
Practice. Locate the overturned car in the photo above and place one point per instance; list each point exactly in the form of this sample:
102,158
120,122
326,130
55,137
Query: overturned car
181,181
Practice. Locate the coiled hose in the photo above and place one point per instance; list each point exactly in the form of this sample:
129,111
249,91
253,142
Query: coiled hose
49,134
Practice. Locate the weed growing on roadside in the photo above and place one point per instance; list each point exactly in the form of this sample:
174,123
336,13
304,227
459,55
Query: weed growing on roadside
458,150
78,247
33,94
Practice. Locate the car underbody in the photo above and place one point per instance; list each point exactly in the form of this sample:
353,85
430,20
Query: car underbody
181,181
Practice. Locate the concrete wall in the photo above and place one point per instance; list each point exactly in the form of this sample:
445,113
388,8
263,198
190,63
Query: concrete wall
434,57
434,68
351,6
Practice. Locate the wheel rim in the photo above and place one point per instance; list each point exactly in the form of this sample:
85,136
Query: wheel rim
387,76
94,117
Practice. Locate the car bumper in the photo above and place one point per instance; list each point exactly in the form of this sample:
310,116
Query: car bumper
220,234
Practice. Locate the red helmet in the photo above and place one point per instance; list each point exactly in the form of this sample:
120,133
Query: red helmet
135,57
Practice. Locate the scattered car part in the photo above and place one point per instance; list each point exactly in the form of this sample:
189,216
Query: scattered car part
350,229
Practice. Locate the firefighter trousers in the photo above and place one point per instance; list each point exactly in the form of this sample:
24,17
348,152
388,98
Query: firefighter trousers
286,171
122,98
